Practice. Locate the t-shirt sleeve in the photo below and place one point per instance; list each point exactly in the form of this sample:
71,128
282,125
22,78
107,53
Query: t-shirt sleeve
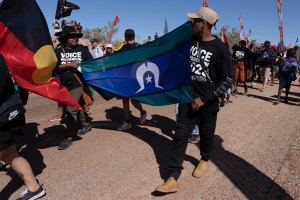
57,52
224,74
225,68
224,71
86,54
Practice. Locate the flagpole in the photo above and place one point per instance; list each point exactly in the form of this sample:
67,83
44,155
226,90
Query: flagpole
242,36
280,23
114,23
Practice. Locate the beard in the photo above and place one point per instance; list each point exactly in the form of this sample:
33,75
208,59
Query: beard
198,32
198,35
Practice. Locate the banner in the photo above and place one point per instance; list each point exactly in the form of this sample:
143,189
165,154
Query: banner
115,22
224,37
280,21
204,4
26,46
242,34
156,73
248,38
64,9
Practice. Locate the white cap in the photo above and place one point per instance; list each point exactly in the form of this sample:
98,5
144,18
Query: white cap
206,14
109,46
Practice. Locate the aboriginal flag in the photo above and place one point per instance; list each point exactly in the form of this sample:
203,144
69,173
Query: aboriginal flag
64,9
26,46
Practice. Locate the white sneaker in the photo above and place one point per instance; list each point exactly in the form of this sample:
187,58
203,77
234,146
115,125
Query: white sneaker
124,126
143,117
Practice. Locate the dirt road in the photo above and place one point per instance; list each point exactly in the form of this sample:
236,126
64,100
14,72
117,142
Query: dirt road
256,156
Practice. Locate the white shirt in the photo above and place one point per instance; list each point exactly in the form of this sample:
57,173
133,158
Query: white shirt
96,53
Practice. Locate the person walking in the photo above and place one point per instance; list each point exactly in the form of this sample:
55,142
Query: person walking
10,130
211,76
69,58
266,62
287,74
242,58
130,43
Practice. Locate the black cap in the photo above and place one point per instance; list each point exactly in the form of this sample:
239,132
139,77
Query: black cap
129,33
68,30
267,43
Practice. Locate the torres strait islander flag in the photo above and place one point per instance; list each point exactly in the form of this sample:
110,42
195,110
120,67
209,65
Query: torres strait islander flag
26,46
156,73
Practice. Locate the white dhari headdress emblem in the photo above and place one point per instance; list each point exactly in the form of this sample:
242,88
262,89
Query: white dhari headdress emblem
147,67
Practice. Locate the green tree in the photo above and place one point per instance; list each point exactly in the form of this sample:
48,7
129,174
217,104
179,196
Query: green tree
101,34
233,36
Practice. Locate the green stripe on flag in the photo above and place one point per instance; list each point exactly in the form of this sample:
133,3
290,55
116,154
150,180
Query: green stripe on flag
148,50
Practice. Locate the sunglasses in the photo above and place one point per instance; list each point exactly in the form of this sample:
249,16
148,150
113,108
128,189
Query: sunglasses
73,36
194,21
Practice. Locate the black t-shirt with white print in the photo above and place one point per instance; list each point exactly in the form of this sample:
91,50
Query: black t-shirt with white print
80,53
211,64
242,54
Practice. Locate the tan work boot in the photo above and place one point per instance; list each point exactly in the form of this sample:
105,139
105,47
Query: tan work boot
201,169
169,186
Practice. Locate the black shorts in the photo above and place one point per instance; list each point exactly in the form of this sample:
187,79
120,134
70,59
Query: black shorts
10,132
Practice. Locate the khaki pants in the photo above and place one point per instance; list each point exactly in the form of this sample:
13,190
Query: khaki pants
266,75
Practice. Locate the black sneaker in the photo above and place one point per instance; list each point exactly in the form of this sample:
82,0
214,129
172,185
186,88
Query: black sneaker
27,195
66,143
194,139
84,130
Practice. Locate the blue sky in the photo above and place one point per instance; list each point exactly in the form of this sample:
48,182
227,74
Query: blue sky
147,17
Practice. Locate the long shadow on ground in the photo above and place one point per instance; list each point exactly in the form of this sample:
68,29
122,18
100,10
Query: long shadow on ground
160,144
291,100
247,178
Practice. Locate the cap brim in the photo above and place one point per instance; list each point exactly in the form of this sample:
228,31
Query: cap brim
58,34
192,16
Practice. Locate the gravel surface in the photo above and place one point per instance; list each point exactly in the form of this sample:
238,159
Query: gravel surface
256,156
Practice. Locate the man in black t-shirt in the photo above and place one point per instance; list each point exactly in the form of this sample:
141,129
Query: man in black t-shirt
69,58
211,77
